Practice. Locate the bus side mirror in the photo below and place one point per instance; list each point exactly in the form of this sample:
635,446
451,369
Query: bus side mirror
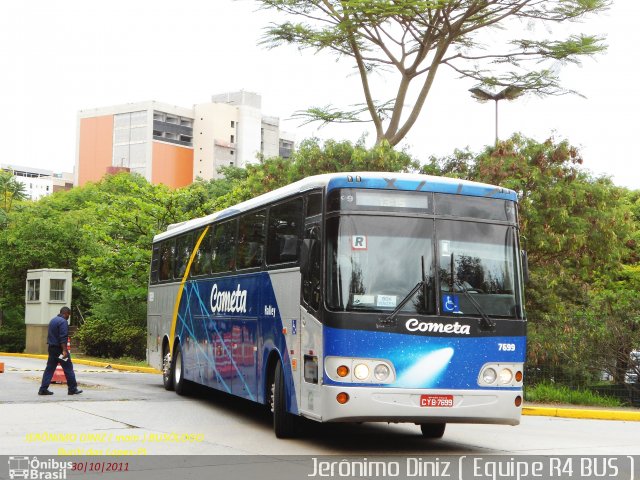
525,265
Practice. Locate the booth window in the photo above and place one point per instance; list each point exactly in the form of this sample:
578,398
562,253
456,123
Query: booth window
33,290
56,291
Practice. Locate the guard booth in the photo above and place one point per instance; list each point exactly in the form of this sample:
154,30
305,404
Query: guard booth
47,291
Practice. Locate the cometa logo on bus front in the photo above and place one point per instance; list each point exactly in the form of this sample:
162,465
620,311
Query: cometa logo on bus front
234,301
413,325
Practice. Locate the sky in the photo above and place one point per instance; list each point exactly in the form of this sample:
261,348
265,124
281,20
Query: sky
62,57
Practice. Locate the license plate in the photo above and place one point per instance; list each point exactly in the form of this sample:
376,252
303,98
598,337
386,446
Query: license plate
436,400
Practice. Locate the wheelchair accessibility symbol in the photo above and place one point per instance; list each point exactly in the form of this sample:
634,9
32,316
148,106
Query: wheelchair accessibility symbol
451,303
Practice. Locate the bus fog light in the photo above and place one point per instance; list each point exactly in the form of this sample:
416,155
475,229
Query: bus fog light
342,398
361,371
505,376
489,375
381,372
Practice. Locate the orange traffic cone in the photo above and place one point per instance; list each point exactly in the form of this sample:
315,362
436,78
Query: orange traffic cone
59,376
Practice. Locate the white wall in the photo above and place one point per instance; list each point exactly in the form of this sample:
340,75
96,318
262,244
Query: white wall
211,127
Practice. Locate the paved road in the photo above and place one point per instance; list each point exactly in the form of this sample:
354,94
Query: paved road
131,412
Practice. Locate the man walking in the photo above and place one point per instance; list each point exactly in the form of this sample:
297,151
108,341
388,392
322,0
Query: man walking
58,353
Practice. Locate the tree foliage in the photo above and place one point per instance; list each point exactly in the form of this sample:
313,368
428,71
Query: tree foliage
412,39
103,232
314,157
11,191
581,235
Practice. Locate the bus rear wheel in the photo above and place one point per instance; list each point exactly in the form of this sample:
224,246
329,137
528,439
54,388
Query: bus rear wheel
433,430
167,374
283,421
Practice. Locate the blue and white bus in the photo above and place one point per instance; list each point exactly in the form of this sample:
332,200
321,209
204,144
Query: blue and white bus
381,297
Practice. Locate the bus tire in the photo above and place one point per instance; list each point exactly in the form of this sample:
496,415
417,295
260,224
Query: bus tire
167,373
283,421
179,383
433,430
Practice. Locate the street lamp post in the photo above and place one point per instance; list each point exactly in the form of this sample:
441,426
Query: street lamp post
509,93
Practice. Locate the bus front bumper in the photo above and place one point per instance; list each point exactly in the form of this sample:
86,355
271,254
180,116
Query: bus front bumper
367,404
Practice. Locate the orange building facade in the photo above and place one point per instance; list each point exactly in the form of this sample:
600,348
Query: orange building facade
151,139
95,148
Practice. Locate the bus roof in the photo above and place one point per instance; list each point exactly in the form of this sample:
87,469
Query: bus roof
332,181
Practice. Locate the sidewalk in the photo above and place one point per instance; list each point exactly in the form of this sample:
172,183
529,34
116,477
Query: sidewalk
561,411
79,361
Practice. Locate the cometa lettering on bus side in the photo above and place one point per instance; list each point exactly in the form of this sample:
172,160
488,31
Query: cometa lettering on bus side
234,301
413,325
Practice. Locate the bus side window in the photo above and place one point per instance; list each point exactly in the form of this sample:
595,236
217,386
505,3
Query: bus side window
202,260
167,250
311,254
285,221
312,266
155,263
223,248
251,235
314,205
184,245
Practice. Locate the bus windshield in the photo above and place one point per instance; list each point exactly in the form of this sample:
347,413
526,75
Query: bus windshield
478,260
375,261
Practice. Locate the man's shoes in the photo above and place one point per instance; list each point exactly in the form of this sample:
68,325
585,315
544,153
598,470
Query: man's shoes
45,392
75,392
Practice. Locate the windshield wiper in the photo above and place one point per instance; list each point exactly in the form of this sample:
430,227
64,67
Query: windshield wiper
390,320
485,323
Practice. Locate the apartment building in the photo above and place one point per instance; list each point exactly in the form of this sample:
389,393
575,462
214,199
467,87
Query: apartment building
176,145
39,182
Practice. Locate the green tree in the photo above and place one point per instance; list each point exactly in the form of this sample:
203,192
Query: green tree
412,39
314,157
43,234
579,232
115,260
11,191
103,232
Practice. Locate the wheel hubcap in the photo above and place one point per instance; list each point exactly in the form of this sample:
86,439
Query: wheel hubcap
271,401
166,366
178,368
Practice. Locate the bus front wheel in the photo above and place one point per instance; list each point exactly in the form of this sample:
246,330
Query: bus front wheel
432,430
283,421
179,382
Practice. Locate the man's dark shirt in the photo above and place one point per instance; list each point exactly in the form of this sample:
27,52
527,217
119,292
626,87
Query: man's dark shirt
58,331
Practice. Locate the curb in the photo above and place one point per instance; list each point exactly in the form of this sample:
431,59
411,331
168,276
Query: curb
580,413
577,413
79,361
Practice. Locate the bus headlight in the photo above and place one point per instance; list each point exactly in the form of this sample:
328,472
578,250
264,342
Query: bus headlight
505,376
361,371
381,372
489,375
501,375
